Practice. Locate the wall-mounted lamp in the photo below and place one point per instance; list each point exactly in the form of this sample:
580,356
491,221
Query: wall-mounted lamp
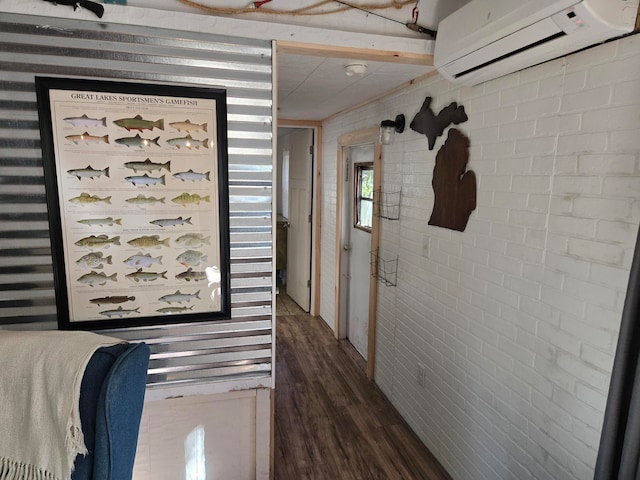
389,127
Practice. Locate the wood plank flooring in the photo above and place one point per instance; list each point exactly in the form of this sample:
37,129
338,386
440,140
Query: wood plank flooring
330,421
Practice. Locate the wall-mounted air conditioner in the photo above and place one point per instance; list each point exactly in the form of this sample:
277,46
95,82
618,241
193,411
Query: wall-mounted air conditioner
486,39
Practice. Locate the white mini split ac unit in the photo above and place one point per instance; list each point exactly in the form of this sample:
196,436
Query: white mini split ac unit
486,39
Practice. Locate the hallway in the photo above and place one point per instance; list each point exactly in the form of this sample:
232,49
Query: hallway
330,421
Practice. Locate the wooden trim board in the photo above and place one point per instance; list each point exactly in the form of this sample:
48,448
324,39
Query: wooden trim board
333,51
373,276
285,122
318,222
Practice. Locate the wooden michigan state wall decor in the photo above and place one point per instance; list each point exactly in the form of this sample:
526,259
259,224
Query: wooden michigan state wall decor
432,125
454,186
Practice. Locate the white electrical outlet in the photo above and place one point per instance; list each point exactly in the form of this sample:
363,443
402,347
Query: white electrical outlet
421,375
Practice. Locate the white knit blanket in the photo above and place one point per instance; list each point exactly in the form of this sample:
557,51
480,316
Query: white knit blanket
40,377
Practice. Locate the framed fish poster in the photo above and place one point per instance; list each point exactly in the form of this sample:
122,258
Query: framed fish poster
136,180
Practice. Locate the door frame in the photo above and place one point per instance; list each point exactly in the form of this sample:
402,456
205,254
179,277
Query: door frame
316,206
300,146
370,136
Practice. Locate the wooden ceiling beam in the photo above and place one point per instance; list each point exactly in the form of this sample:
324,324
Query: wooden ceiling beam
352,53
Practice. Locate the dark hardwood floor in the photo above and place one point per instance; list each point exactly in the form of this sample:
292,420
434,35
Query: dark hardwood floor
330,421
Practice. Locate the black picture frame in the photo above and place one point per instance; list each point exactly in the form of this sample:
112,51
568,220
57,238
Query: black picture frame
136,179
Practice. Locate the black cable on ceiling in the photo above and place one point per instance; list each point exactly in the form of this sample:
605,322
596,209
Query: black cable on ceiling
411,26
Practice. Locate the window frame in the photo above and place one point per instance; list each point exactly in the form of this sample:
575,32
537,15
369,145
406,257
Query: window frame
358,168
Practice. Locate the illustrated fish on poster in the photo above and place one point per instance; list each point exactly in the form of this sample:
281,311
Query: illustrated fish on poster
190,275
149,241
137,141
139,275
119,312
88,172
189,198
145,180
188,142
171,222
111,300
142,200
100,241
94,260
192,176
87,139
101,222
191,258
95,278
86,199
148,166
142,261
85,121
179,297
188,126
139,123
193,240
170,310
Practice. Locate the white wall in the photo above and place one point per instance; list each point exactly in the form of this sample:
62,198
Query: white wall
516,319
217,437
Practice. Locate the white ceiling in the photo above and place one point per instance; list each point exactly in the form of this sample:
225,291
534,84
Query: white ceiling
314,88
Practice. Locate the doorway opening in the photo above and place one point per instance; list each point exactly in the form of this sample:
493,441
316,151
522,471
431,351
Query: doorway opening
357,223
297,223
359,165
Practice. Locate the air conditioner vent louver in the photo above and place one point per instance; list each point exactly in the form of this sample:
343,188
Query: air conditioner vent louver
510,54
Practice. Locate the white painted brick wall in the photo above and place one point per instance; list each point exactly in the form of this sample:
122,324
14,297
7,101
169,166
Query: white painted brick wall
516,319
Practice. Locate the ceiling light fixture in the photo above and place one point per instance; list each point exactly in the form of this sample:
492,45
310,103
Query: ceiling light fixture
357,69
389,127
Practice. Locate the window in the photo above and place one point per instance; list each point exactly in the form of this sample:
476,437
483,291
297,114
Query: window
363,193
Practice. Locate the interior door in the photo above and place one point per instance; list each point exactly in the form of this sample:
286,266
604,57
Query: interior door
360,159
299,232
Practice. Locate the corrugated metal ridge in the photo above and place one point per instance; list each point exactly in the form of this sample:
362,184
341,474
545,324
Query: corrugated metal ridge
94,72
148,36
231,63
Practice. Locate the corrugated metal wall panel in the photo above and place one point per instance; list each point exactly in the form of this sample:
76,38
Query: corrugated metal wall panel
30,46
